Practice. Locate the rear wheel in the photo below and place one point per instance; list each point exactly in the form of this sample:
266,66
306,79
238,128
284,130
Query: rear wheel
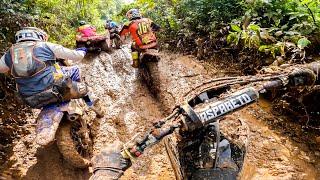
148,72
73,146
146,75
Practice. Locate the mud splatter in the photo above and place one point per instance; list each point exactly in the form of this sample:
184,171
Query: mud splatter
130,109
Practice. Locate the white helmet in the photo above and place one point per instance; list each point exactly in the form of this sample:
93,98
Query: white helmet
31,34
133,14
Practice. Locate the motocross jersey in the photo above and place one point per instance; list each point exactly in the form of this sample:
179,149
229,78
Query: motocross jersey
87,30
141,31
32,64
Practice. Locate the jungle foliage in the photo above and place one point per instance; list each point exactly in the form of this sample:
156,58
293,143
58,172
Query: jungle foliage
263,31
281,30
57,17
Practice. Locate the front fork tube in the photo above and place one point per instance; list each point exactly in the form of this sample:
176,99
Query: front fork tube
217,133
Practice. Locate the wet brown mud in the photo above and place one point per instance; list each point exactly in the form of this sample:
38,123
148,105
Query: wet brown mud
270,154
130,108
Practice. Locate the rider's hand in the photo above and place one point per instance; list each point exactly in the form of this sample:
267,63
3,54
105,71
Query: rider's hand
109,164
302,77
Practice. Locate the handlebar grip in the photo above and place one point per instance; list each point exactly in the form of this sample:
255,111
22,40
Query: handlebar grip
273,84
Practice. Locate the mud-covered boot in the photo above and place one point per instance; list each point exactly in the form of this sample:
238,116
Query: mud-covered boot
97,108
47,125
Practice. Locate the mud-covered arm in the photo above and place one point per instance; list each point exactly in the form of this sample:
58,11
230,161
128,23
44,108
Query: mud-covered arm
315,67
64,53
3,66
305,75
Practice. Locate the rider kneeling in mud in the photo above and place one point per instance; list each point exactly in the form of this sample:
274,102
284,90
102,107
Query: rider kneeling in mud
142,33
113,161
39,78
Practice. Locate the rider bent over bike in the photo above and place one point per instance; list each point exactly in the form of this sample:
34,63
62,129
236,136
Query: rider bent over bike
40,80
142,33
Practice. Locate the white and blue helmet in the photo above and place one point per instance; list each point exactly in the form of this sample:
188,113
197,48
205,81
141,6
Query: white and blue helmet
133,14
31,34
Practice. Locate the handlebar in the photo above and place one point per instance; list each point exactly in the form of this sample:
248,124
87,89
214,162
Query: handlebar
189,119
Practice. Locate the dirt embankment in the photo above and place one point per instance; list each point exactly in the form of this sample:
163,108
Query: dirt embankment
130,108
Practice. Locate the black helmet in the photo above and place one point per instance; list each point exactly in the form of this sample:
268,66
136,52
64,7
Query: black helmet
81,23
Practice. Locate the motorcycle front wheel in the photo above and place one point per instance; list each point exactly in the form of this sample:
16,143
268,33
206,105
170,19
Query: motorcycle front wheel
70,144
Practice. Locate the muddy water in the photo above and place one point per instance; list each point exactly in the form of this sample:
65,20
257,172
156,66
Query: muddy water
129,109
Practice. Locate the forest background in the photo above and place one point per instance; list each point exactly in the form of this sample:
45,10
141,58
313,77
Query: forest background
253,32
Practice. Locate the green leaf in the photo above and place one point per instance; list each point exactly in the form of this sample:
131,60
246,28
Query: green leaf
230,38
254,27
263,48
303,42
235,28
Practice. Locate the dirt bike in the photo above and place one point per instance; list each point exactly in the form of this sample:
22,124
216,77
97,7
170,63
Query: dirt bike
95,43
147,59
66,122
197,149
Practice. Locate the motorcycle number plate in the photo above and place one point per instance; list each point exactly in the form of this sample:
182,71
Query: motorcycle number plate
231,103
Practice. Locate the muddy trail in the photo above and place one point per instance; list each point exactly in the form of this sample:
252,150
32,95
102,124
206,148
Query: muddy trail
130,108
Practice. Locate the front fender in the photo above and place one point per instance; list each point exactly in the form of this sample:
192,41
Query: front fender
47,124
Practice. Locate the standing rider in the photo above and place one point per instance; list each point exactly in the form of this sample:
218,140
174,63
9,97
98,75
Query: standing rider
111,26
142,33
113,29
40,79
86,30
